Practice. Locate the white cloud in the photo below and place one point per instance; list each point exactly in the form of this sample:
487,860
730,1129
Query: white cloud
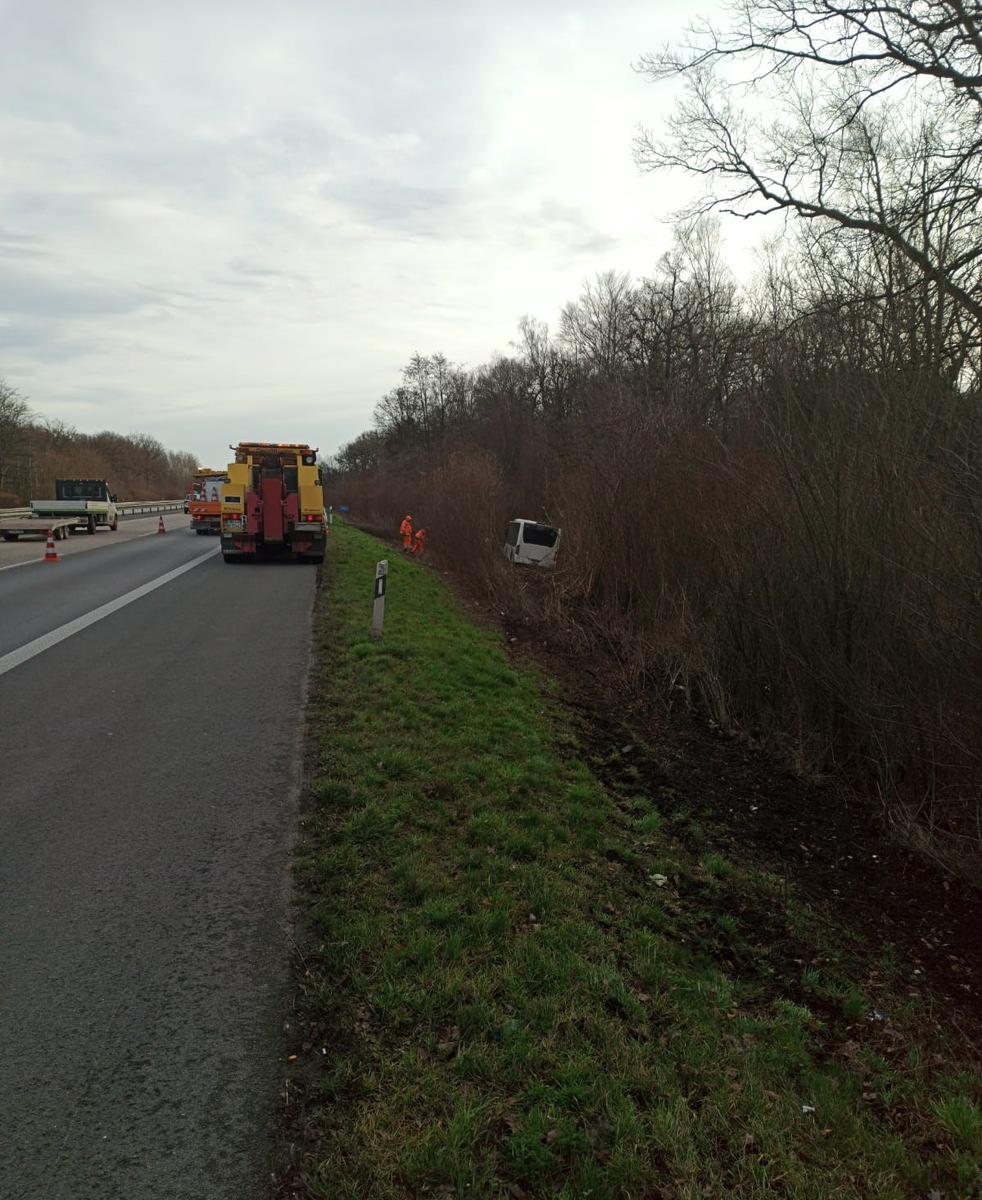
240,219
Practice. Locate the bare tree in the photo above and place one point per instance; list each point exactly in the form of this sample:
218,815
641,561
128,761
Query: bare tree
362,456
597,327
431,398
441,391
15,417
867,115
150,455
552,368
506,410
397,418
686,321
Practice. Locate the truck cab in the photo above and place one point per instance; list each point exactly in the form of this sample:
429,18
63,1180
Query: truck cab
204,502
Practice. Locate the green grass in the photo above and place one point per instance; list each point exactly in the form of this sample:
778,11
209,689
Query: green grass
497,997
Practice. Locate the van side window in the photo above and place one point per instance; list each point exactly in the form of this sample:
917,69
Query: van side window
539,535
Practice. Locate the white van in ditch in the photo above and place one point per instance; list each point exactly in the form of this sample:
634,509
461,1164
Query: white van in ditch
531,542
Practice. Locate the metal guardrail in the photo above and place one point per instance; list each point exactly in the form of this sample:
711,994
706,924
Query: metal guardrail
150,506
127,507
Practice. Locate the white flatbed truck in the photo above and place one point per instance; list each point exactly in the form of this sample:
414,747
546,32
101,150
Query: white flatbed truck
78,504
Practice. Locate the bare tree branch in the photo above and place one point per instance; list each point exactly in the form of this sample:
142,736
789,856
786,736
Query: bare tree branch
867,115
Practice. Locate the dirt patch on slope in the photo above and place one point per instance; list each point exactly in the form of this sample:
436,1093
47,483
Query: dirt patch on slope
754,809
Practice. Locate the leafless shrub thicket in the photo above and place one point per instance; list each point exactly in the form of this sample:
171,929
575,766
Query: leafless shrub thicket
773,493
771,497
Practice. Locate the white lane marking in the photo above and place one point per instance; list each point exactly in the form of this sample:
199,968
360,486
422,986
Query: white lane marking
30,562
39,645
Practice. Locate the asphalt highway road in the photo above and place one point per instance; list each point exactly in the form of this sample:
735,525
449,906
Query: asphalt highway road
150,738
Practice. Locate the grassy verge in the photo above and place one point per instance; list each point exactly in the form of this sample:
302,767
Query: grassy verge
514,983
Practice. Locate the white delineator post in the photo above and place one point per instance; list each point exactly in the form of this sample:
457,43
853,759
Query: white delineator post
378,612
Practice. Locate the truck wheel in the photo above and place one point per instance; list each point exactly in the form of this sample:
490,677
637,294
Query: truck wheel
11,537
115,525
90,526
231,558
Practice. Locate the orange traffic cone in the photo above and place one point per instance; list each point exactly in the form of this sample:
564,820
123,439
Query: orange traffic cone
160,524
50,553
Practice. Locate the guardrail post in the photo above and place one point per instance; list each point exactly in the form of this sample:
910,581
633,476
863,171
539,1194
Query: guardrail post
378,612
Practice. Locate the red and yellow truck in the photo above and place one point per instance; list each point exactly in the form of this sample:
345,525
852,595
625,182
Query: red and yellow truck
273,503
205,500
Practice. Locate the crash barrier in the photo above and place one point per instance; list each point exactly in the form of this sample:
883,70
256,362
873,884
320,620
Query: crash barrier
129,508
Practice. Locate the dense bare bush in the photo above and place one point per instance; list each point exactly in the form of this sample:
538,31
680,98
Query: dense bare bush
464,513
793,536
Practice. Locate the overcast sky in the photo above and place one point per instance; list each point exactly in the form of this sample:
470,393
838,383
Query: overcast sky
226,220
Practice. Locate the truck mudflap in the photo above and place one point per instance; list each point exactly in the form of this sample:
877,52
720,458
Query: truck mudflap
234,549
309,549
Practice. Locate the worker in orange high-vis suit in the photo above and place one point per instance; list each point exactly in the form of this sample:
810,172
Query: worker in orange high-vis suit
419,545
406,529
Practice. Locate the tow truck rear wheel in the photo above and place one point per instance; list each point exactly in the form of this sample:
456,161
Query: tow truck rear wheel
90,525
11,537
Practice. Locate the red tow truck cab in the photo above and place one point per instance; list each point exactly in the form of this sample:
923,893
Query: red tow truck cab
273,502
